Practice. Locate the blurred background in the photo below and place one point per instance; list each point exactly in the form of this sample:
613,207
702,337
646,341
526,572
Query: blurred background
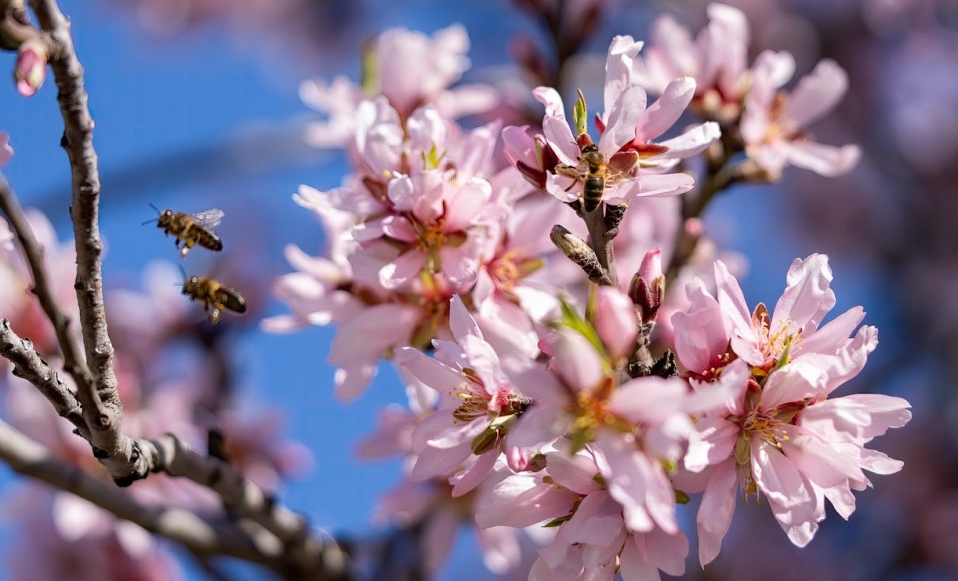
196,105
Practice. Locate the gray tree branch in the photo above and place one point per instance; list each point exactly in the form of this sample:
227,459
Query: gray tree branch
200,535
28,365
296,552
101,404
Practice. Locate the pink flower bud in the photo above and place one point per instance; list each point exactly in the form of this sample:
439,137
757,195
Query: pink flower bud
31,69
616,323
518,458
651,266
647,287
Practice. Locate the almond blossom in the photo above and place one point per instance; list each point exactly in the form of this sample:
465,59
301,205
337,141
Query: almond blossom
592,536
479,404
635,165
773,124
638,424
780,434
410,70
716,59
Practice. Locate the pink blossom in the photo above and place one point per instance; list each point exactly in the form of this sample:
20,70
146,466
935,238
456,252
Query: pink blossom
65,537
716,58
429,505
253,444
592,530
409,70
478,406
616,322
780,434
20,305
440,226
634,165
773,124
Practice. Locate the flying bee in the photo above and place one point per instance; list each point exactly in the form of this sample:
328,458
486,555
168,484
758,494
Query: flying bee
216,297
595,172
191,229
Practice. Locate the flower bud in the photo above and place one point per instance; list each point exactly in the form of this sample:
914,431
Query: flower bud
615,321
31,69
570,244
580,253
647,287
518,458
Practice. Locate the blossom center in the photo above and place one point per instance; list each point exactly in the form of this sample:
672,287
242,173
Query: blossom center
475,399
763,424
431,234
504,272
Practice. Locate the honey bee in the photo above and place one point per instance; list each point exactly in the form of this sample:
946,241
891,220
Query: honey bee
216,297
595,172
191,229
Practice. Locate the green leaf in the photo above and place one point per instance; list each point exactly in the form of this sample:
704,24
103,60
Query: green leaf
580,115
571,319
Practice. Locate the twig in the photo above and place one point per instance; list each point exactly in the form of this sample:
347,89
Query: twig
33,255
201,536
600,239
102,409
30,366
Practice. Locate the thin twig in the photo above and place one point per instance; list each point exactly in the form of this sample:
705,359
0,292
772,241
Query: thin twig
33,255
600,239
28,365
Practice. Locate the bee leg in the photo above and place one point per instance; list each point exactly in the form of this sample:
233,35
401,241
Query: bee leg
186,248
215,315
572,185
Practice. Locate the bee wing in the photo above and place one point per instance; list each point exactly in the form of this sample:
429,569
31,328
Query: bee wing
622,162
209,218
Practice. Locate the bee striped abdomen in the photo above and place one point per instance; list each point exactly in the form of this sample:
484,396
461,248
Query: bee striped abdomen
215,296
592,189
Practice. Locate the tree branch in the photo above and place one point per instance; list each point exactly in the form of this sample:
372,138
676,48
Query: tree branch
303,553
304,550
28,365
203,537
33,255
102,409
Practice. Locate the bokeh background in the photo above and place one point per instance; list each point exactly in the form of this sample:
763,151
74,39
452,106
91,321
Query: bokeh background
196,106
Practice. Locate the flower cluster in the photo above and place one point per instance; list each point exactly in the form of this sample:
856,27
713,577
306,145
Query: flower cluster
543,393
749,102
